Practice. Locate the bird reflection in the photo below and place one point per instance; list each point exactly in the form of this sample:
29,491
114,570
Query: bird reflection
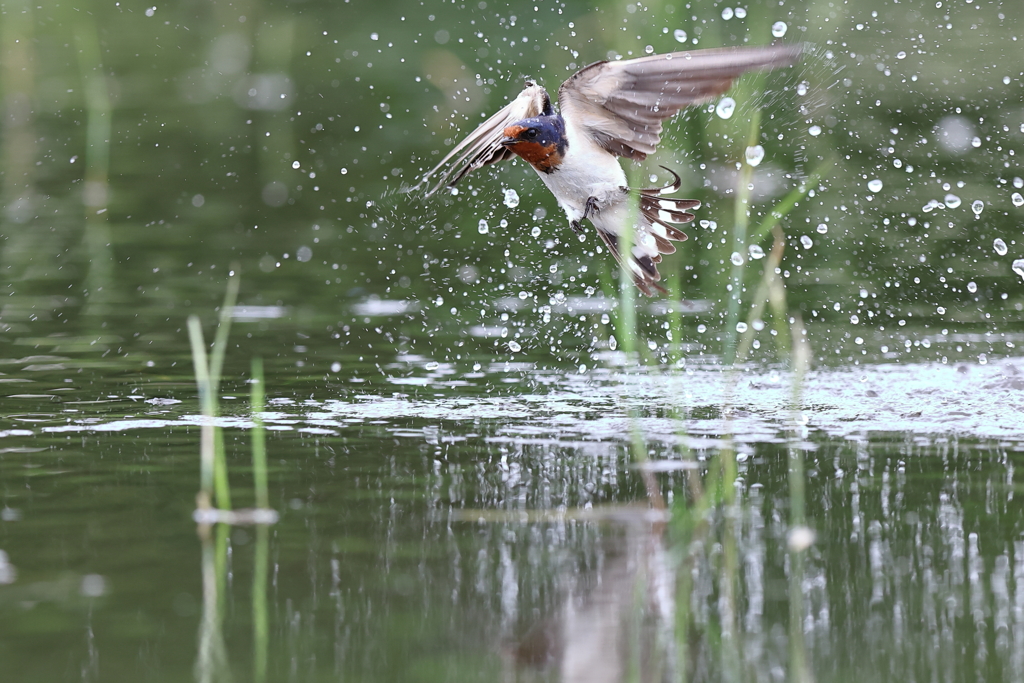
608,629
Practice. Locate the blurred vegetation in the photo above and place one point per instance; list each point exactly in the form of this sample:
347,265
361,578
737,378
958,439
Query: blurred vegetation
281,135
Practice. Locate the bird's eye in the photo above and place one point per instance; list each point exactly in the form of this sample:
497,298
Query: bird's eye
530,133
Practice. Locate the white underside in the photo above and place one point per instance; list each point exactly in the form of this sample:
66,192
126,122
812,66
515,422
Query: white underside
587,171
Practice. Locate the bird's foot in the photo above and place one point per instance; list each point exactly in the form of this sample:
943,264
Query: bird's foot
590,208
576,226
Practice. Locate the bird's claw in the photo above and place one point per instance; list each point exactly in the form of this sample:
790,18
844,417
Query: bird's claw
591,207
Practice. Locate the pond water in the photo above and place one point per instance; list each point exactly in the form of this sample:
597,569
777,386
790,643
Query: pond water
489,461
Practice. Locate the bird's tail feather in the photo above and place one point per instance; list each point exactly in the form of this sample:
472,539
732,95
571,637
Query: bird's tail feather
666,211
655,231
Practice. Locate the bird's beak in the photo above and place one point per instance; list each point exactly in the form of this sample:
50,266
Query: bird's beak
507,141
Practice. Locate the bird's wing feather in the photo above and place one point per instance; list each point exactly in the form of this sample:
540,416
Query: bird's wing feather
621,105
483,146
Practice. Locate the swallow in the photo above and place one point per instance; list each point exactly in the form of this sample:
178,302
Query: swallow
607,110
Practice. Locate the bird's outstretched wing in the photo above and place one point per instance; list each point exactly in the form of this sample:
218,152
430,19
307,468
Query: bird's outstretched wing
483,146
621,105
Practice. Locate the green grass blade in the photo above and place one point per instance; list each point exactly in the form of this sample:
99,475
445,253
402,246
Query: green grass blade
202,373
626,328
741,220
259,450
260,621
782,209
220,471
220,341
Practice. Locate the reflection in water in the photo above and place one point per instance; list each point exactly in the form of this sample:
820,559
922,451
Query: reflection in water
212,658
429,535
212,661
613,630
914,586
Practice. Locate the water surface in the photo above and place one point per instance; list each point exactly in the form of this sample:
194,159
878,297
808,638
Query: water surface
476,479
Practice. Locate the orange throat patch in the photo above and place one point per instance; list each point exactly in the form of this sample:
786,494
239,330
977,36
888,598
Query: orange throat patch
544,158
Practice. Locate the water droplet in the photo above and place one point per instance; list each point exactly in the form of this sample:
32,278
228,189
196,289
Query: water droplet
1018,267
800,538
649,49
952,201
755,252
1018,182
975,142
726,107
652,345
815,131
741,12
977,206
875,185
680,35
806,241
741,327
854,320
511,198
901,55
613,344
972,287
754,155
822,228
514,346
1000,246
736,258
535,232
1017,199
940,310
727,13
779,29
295,164
482,227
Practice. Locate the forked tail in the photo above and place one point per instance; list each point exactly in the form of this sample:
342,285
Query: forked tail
655,232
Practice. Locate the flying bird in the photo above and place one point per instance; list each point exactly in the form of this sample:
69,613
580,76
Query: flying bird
607,110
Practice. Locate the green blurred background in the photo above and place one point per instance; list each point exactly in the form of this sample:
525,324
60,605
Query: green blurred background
147,148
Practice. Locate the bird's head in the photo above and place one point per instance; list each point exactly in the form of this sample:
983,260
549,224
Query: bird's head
540,140
540,130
